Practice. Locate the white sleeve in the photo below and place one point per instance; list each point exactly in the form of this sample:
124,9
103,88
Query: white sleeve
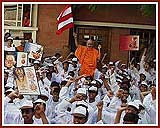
6,101
64,93
106,101
115,103
62,107
142,62
100,122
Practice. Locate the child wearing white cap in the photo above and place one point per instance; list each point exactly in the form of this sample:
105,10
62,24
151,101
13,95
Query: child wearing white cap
9,46
92,93
12,114
131,108
27,112
39,112
149,103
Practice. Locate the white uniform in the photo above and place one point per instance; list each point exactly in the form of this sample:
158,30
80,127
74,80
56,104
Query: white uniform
150,107
109,113
51,106
12,114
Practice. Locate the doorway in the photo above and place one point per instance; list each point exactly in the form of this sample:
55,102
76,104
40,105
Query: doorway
100,35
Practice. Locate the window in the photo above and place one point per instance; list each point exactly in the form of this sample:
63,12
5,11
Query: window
147,40
18,15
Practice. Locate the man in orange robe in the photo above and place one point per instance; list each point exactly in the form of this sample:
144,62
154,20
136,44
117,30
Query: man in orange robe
88,57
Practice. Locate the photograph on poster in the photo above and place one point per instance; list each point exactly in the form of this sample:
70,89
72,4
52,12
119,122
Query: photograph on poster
34,51
10,59
26,81
22,59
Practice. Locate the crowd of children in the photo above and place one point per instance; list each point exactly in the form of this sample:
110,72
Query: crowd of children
118,93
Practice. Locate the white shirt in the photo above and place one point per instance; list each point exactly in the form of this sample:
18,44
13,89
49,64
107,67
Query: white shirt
50,109
12,114
150,107
9,49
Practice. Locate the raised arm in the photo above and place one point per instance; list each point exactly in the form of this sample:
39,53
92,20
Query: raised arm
99,51
100,107
118,115
75,38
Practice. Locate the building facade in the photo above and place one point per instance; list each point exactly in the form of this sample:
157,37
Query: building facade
105,25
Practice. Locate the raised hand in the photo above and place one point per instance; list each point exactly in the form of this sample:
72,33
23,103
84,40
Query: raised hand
100,105
75,35
39,108
119,93
99,46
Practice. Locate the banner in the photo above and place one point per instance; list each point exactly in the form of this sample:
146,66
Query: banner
65,20
129,43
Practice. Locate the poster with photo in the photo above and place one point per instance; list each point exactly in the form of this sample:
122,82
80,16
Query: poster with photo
10,59
129,42
26,80
34,51
22,59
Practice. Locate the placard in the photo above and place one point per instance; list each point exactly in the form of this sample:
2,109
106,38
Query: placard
22,59
129,42
26,81
34,51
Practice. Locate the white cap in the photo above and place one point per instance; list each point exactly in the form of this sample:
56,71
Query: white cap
10,85
133,104
123,64
82,102
80,110
128,77
125,73
110,63
144,83
154,60
121,77
93,88
9,90
69,61
138,102
119,80
74,59
10,38
104,66
99,80
49,64
40,101
93,82
142,73
53,57
82,91
27,104
36,62
44,93
68,77
56,62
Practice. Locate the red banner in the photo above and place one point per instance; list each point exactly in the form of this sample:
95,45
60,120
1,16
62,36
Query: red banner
129,43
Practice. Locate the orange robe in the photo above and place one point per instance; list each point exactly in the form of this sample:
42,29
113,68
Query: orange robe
88,59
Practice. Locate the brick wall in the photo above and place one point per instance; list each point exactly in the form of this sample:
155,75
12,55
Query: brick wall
116,54
114,14
46,36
